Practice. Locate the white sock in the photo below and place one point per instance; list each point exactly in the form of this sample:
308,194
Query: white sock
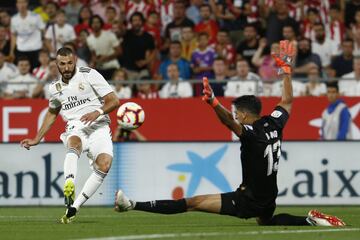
70,164
91,185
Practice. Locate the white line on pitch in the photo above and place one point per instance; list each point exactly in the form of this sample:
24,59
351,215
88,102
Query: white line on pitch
212,234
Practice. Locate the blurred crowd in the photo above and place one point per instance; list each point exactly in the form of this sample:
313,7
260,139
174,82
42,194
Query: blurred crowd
134,43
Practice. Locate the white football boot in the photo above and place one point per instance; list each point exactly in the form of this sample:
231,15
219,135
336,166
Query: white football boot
317,218
123,203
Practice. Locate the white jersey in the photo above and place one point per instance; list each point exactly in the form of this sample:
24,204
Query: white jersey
83,94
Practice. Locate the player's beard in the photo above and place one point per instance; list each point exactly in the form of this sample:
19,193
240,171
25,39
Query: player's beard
70,75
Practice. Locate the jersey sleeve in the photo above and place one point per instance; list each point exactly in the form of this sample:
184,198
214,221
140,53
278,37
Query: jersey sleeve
98,82
279,116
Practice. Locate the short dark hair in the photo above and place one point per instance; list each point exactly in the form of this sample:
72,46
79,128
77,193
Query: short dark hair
64,51
175,42
23,58
248,103
333,84
139,14
97,17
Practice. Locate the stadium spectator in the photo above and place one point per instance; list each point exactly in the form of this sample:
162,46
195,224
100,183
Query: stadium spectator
175,88
202,58
173,29
51,9
110,17
79,61
220,71
336,28
8,71
277,18
104,47
207,24
42,70
145,90
244,83
85,15
343,63
122,91
193,12
42,88
129,7
99,8
72,10
223,15
336,118
124,135
5,21
119,29
59,33
249,45
23,84
265,64
314,87
26,33
4,42
175,58
166,10
305,59
349,84
307,25
138,49
289,33
82,49
41,10
224,48
351,8
323,45
152,27
188,43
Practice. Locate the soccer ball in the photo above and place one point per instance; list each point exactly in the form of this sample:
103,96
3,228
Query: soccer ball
130,116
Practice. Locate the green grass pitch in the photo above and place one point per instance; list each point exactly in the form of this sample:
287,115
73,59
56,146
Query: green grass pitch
103,223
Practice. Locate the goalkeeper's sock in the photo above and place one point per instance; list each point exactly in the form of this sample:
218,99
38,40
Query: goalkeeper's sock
284,219
162,206
91,185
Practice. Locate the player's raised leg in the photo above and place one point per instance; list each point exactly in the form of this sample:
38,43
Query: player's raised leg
205,203
74,148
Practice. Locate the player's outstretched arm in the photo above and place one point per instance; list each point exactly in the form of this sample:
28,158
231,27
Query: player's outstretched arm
284,59
49,120
222,113
111,102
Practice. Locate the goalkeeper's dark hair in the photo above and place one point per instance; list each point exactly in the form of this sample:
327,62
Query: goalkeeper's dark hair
248,103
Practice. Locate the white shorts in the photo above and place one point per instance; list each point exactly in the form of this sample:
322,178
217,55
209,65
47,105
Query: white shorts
93,141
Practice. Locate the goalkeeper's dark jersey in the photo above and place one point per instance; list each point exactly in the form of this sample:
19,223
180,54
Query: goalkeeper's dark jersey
260,153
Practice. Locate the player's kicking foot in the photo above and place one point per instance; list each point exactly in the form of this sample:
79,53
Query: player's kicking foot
69,192
123,203
317,218
69,216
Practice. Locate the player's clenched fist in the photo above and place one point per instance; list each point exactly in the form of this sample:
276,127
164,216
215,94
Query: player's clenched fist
27,143
284,57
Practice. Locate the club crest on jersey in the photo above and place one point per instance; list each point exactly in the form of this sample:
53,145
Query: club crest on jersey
276,114
58,88
81,87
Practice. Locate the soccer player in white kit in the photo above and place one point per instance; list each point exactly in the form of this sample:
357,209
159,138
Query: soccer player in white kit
83,98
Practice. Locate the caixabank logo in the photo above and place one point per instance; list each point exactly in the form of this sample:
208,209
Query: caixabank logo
200,167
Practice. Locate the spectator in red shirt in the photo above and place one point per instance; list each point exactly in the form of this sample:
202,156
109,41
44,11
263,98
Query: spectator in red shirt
224,48
152,27
85,15
110,17
146,91
207,24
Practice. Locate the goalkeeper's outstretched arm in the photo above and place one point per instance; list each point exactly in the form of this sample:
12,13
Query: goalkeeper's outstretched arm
284,59
222,113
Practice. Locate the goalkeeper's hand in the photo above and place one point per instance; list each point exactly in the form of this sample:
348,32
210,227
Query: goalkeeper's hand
209,96
284,58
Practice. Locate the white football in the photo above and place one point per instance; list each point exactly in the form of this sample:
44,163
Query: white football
130,116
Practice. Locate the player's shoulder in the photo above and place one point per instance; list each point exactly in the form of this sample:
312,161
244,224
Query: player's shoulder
85,69
55,86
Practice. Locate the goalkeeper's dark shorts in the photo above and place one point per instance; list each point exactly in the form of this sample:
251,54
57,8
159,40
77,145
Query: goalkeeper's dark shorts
240,204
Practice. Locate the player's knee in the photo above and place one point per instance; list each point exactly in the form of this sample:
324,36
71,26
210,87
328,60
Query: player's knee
75,143
194,202
103,162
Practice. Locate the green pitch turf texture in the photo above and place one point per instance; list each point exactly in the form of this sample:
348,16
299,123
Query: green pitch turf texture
105,224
